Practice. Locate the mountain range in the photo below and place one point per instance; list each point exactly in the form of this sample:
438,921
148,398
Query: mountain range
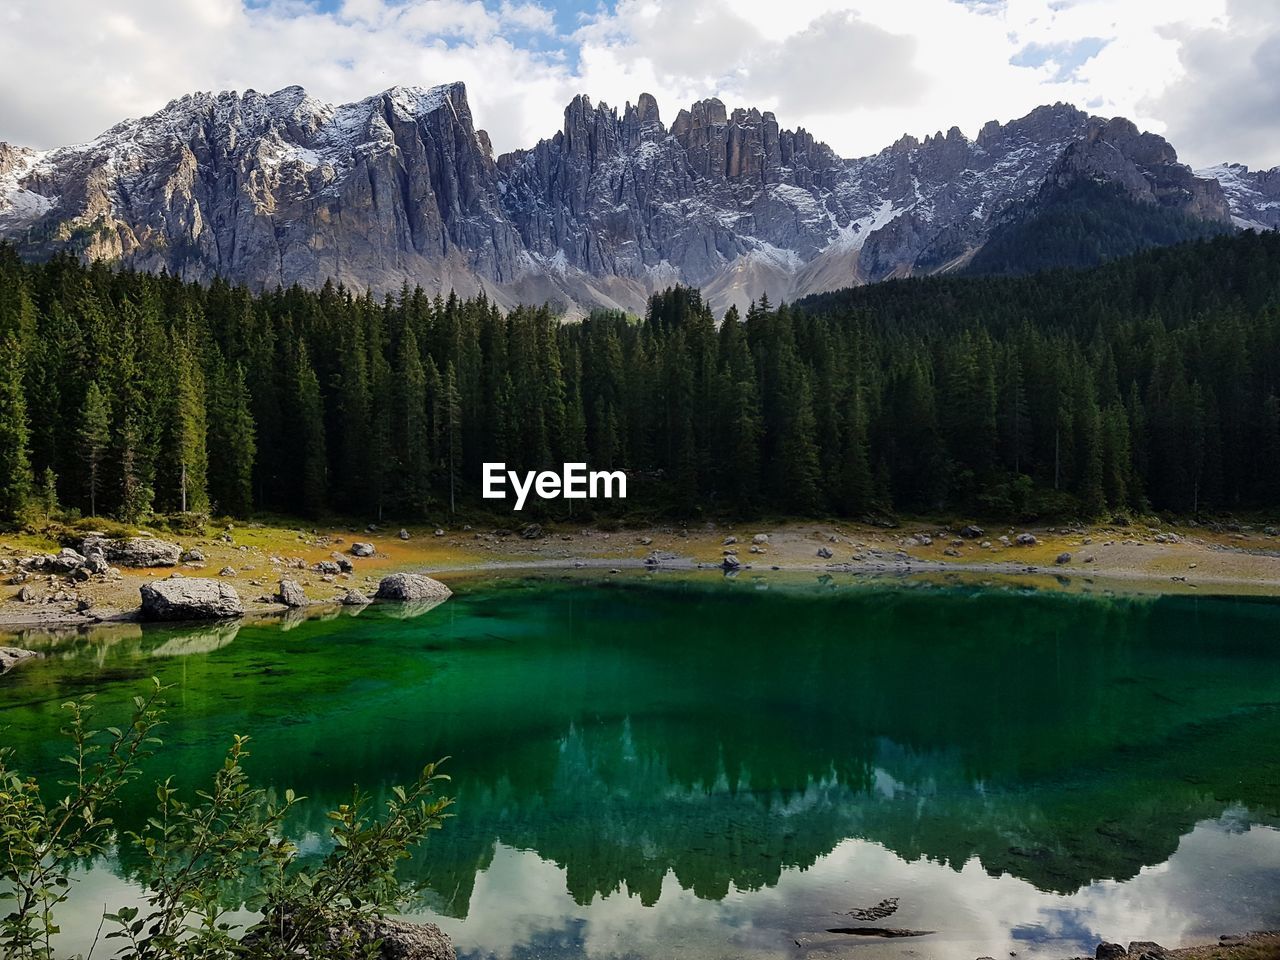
401,187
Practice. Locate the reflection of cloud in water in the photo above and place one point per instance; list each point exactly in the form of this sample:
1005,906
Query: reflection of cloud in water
1220,880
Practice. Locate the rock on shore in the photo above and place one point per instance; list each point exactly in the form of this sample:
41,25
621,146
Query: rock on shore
290,593
411,588
193,598
133,551
396,939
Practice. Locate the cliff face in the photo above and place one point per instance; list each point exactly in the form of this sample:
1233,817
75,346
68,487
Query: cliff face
402,188
1145,165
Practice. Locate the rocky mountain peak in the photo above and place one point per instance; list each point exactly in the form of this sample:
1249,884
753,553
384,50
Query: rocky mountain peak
645,112
905,144
401,186
1144,165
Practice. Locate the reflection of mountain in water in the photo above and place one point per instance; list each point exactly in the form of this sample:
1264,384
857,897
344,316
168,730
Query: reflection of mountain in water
725,734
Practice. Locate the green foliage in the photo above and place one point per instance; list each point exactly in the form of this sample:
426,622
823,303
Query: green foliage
39,843
203,857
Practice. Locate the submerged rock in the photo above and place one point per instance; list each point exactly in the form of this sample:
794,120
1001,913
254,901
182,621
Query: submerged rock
190,598
10,657
410,588
353,598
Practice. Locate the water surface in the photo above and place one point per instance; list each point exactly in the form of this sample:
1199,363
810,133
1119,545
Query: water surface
687,768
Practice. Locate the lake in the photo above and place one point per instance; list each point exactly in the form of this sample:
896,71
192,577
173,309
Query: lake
654,766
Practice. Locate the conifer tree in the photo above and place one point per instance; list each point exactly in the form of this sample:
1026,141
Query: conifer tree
453,432
94,436
232,435
353,418
48,492
15,464
308,415
186,432
411,431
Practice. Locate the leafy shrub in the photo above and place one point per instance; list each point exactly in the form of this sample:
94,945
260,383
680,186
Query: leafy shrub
230,836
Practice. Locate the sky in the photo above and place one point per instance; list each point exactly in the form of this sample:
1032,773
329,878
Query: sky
856,73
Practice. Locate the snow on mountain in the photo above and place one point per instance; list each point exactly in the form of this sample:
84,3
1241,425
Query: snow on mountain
1254,195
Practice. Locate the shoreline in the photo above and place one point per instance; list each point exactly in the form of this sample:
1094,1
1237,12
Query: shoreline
1107,559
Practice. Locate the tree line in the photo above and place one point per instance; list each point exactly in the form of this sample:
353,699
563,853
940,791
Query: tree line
1149,383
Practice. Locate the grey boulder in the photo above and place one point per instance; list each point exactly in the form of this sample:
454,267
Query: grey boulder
412,941
290,593
396,939
190,598
134,551
410,588
362,549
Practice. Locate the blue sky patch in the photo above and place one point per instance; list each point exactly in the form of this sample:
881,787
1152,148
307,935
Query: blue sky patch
568,13
1068,57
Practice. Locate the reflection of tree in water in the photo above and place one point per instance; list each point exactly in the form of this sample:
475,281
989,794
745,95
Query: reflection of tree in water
727,734
607,831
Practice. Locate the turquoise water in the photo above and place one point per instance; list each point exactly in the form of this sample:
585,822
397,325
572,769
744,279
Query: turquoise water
699,768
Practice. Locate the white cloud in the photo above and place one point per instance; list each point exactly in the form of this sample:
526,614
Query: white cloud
71,68
1226,107
858,73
